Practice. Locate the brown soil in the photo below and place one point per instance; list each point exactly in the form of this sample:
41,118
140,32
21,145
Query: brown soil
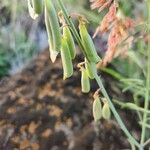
38,110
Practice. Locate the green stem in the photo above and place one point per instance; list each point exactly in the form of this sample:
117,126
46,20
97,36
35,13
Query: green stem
99,82
147,94
113,73
146,125
146,143
119,120
125,105
132,145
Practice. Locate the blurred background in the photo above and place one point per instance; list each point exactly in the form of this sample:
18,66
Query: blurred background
38,110
21,38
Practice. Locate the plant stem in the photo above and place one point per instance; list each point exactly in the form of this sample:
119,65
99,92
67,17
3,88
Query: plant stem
146,143
146,125
113,73
132,145
119,120
147,94
125,105
99,82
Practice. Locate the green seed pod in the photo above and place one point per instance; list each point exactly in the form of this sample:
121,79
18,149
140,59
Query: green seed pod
47,24
131,106
71,45
106,113
53,53
37,6
32,13
85,81
91,69
55,30
97,109
88,44
66,60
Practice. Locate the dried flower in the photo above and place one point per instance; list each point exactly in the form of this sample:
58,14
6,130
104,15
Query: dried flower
100,4
119,27
108,19
118,34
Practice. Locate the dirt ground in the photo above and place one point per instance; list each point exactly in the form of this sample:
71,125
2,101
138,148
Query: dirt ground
40,111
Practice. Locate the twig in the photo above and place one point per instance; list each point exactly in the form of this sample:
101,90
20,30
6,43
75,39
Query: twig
147,94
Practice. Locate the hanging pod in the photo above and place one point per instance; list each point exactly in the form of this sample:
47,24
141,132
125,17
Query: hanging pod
53,54
88,44
97,109
32,12
66,60
106,113
71,45
85,81
91,69
37,6
52,21
48,26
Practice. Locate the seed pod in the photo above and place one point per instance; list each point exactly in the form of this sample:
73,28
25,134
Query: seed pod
91,69
32,13
55,30
53,54
66,60
71,45
47,24
85,81
88,44
131,106
106,113
37,6
97,109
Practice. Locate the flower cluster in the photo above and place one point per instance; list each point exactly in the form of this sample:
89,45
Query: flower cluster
100,4
108,19
118,41
118,25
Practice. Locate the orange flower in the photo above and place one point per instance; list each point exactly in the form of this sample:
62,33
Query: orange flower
119,29
97,3
100,4
128,22
118,34
108,19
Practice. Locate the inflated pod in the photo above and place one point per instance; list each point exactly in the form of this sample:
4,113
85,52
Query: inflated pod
54,25
37,6
85,81
131,106
106,113
97,109
53,54
88,44
47,24
91,69
71,45
66,60
32,13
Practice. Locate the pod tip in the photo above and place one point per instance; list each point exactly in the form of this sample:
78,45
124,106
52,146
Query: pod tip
53,55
